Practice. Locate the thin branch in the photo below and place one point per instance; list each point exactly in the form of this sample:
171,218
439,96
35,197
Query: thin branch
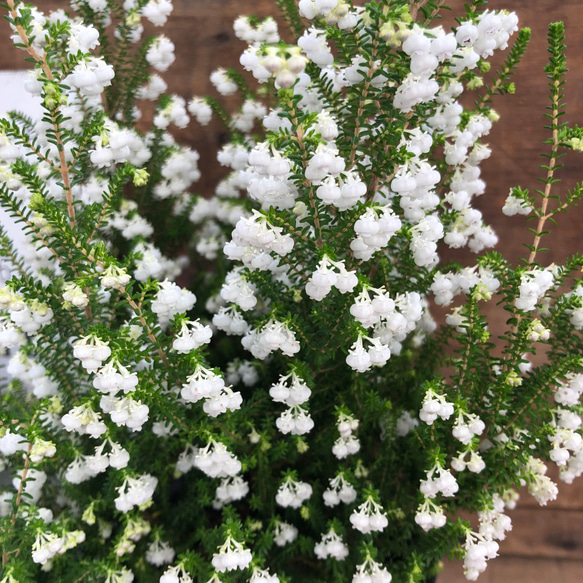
299,138
6,553
64,169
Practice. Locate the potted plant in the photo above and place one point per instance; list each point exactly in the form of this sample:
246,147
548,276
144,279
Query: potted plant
291,411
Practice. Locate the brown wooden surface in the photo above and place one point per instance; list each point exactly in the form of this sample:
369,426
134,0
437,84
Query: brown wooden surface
518,570
548,533
202,33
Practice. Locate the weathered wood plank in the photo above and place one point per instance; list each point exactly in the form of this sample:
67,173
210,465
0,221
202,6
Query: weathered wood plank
545,533
569,571
518,570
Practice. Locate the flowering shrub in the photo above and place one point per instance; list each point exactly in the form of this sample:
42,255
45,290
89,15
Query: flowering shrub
294,412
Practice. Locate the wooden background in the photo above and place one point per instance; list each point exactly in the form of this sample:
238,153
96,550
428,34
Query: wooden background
546,544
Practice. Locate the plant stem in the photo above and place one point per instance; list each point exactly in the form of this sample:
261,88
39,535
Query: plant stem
64,169
5,552
308,183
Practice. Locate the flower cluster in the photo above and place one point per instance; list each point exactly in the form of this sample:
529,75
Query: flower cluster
331,546
272,336
325,277
347,443
339,490
216,461
230,556
369,517
135,492
371,572
292,493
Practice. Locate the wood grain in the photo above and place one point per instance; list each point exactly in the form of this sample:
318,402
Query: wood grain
547,532
506,569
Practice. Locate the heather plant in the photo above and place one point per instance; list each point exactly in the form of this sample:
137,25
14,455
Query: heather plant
291,411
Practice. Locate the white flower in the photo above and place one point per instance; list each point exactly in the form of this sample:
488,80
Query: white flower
438,480
157,11
429,515
369,517
533,286
161,53
41,449
231,555
221,81
216,461
201,110
371,571
272,336
292,493
135,492
284,533
92,351
339,490
159,553
332,546
435,405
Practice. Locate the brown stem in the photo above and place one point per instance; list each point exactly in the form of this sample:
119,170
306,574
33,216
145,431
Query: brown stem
127,296
371,191
414,6
465,357
371,71
375,180
349,226
299,138
526,406
294,268
5,552
434,12
82,577
138,311
64,170
58,371
293,230
104,211
543,216
88,313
